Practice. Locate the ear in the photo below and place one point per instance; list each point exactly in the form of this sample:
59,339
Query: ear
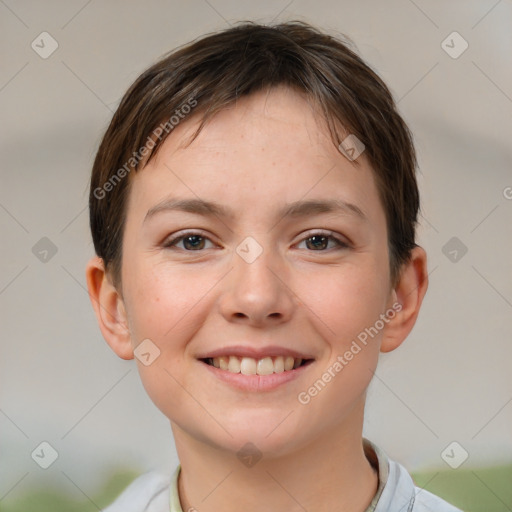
109,308
408,295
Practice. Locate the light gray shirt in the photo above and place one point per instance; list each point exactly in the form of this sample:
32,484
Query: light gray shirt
396,492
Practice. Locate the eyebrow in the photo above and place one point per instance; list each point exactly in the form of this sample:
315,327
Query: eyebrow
295,209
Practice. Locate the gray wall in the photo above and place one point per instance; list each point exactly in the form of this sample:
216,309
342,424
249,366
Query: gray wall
60,382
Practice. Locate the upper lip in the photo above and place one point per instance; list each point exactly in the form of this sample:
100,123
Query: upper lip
255,353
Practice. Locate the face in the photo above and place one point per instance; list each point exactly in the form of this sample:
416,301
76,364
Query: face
290,260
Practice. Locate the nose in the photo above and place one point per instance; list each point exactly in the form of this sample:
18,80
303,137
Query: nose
257,293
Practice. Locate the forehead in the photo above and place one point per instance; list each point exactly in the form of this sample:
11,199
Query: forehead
271,144
254,119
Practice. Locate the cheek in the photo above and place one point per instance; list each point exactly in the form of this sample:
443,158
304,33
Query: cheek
346,300
164,308
348,303
163,301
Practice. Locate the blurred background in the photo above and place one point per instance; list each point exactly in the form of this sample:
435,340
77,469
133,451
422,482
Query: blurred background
76,425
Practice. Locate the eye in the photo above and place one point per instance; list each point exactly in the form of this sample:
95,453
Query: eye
192,241
196,241
319,241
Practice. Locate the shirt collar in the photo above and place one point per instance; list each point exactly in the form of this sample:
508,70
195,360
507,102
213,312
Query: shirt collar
379,461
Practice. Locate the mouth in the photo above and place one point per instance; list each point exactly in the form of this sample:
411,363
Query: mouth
250,369
251,366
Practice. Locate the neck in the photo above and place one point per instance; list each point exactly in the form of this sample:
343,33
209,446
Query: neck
330,473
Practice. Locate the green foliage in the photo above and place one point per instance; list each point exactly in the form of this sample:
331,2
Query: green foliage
55,500
472,490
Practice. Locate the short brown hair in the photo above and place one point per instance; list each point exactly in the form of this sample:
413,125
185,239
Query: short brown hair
217,69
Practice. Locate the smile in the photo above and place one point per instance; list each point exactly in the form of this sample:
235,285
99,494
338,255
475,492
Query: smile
252,366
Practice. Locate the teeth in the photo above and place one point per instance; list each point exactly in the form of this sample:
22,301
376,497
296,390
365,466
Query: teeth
234,364
279,364
265,366
248,366
251,366
223,362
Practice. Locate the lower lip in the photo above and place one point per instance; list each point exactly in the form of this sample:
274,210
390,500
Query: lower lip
256,383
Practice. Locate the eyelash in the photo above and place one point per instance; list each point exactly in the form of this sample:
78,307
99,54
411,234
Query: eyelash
340,243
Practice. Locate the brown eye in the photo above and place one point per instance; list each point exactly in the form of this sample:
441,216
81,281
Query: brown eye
321,242
193,242
317,242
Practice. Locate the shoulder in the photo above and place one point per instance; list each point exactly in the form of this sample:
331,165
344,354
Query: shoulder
419,500
147,493
398,491
427,502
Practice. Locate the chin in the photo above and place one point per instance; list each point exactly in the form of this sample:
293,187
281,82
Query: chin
271,436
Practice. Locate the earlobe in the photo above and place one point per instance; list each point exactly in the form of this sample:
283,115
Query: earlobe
408,293
109,308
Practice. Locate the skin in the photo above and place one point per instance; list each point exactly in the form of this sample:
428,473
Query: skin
269,149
